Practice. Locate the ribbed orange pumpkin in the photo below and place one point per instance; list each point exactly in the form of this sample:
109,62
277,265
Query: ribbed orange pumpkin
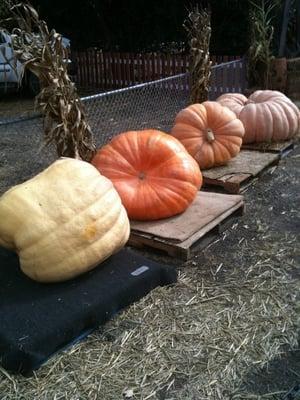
267,115
211,133
152,172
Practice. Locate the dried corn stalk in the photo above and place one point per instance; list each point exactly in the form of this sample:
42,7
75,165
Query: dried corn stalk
198,28
42,52
260,55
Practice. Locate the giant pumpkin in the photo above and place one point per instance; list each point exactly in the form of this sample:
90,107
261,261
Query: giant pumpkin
63,222
152,172
211,133
267,115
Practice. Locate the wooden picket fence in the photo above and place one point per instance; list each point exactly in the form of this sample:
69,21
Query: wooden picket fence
113,70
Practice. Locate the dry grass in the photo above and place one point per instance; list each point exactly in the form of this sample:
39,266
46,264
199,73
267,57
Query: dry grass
195,340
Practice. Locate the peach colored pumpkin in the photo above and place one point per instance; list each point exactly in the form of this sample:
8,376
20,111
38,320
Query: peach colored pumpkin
267,115
211,133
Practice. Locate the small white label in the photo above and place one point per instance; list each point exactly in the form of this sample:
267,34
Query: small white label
140,270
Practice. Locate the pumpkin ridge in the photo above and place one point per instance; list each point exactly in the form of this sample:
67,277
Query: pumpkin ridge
126,175
171,199
157,194
224,148
276,124
68,273
198,155
289,113
61,225
28,201
109,148
224,113
80,234
233,142
286,125
195,111
161,178
165,162
185,130
200,147
136,171
229,131
27,252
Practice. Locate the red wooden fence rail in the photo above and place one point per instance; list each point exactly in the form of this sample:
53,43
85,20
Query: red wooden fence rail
113,70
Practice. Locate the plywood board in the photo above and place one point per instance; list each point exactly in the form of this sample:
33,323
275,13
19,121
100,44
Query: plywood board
240,170
282,148
199,224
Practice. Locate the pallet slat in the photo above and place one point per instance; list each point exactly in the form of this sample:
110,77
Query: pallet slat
281,148
240,171
199,225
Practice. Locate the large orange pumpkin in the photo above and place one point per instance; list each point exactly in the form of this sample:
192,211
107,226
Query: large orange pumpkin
152,172
267,115
211,133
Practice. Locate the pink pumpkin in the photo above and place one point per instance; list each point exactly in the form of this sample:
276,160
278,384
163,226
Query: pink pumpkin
267,115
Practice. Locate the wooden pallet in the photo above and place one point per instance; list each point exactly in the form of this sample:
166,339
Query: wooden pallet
179,236
240,171
282,148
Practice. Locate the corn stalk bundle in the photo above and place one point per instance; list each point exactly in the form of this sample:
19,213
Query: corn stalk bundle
42,52
198,29
260,55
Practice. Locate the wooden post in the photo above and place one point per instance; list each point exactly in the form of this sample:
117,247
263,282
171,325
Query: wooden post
298,24
285,22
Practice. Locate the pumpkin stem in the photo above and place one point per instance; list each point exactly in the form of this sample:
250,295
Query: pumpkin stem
142,175
210,135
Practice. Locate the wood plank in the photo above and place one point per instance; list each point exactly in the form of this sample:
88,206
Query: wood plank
97,67
163,65
132,68
284,27
240,171
108,69
199,225
88,68
207,207
104,70
144,73
282,148
168,65
129,79
153,66
119,75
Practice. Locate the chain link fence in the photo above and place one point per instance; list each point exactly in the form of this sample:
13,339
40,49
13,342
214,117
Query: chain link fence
147,105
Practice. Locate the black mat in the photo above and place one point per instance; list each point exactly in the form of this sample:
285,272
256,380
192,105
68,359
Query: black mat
37,320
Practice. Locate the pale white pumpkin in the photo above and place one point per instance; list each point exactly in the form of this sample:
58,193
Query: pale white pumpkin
63,222
267,115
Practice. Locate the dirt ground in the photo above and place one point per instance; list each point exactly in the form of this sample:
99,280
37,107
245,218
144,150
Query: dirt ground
265,241
13,104
22,104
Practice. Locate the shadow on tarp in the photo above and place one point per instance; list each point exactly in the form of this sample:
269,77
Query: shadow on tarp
38,320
